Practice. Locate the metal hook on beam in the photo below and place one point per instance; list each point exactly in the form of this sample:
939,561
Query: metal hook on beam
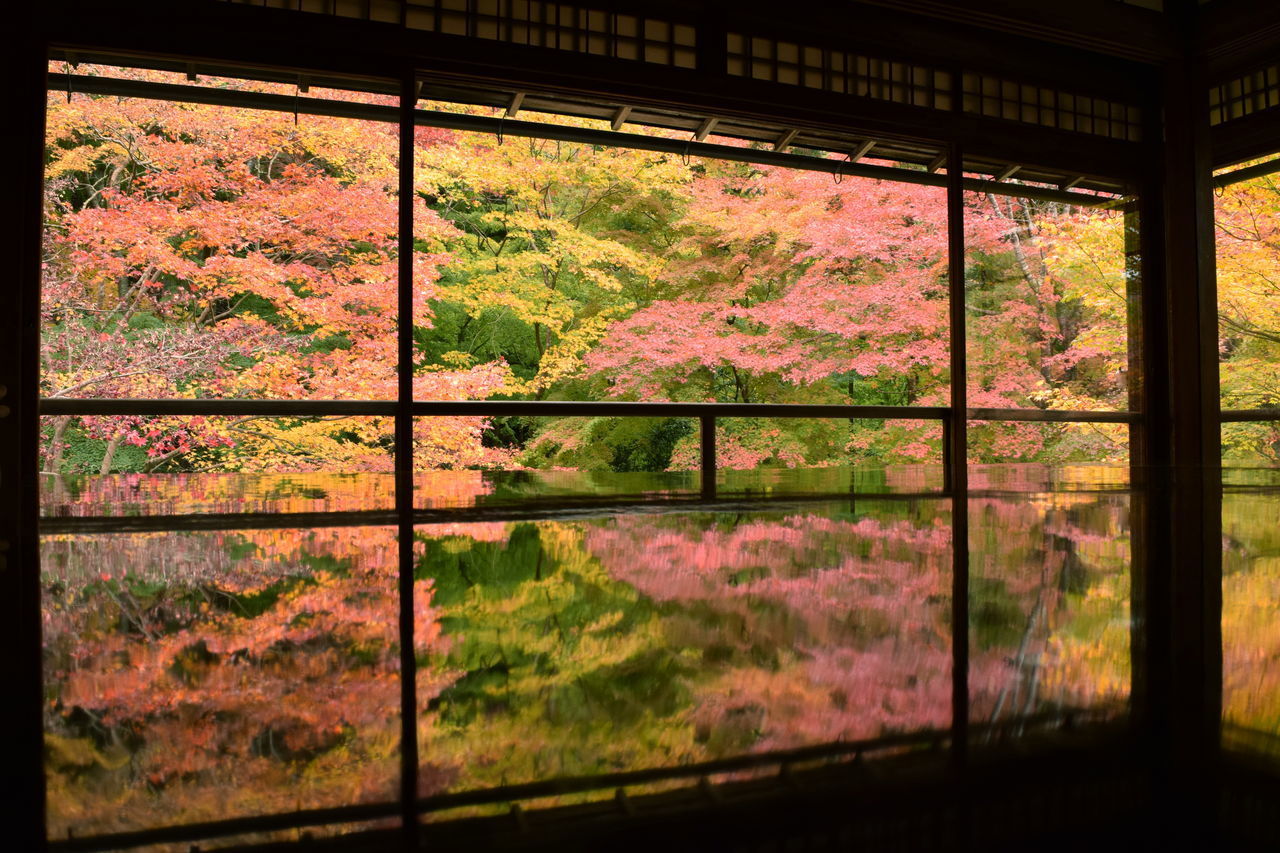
838,174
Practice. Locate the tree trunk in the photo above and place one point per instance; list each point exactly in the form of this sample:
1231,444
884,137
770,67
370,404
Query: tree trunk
110,455
54,457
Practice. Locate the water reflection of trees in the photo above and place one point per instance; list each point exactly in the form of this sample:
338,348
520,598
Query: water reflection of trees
197,675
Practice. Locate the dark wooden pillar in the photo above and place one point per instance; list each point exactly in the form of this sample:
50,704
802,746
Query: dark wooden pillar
22,709
1185,571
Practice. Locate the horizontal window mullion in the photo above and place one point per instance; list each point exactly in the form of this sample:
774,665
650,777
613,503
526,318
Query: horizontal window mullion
1054,416
622,408
90,525
233,408
980,185
62,525
534,511
567,408
223,828
1249,415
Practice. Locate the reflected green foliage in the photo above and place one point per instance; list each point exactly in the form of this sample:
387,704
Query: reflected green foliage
180,664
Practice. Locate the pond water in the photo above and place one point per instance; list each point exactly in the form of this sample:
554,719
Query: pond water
565,624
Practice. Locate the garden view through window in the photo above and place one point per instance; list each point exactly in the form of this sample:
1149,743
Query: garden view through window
223,619
1248,258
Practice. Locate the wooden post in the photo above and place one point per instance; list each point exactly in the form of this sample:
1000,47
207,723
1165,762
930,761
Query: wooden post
21,714
1185,690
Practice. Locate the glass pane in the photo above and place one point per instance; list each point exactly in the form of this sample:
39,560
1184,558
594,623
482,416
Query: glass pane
142,466
1248,264
198,676
208,251
1248,302
763,457
548,460
1049,292
1049,604
1255,443
1057,444
754,443
629,641
1248,315
1048,478
564,271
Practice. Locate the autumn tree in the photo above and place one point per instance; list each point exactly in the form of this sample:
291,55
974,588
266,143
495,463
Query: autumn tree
200,251
554,241
1047,296
789,287
1248,258
198,676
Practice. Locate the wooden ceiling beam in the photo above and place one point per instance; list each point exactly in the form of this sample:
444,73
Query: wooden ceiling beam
1100,26
1236,36
235,35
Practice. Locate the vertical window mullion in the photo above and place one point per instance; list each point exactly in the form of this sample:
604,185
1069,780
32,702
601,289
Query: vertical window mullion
957,458
404,464
708,466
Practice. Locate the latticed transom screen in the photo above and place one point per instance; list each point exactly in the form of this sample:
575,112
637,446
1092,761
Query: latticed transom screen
1008,99
1241,96
673,43
559,26
838,71
922,86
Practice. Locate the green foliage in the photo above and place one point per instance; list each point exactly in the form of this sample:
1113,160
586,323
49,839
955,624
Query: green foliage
84,454
995,615
607,444
546,645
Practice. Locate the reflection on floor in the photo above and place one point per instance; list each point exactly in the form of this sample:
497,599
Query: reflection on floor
246,661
